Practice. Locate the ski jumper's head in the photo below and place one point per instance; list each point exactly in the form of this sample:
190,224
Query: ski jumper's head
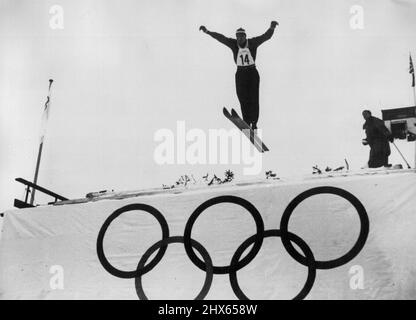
241,37
366,114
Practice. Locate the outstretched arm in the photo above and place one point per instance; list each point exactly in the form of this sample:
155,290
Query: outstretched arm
265,36
218,36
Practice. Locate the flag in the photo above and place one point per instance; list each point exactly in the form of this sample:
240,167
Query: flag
412,71
45,114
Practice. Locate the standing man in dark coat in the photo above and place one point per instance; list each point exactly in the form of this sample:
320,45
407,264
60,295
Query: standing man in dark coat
377,137
247,78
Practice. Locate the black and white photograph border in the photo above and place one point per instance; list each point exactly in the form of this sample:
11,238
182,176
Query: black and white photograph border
176,150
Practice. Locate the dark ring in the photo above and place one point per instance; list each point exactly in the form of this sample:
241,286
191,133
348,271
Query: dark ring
276,233
100,239
355,250
258,236
165,242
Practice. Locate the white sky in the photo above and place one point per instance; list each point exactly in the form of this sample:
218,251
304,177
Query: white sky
124,69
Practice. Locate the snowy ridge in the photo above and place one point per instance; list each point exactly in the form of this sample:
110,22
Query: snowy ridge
246,183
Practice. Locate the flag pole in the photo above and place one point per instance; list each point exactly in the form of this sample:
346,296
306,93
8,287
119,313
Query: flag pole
412,72
35,179
414,97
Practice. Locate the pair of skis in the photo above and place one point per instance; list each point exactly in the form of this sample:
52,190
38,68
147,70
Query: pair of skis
246,129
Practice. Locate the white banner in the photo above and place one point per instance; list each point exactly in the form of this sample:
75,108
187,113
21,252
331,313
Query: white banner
347,237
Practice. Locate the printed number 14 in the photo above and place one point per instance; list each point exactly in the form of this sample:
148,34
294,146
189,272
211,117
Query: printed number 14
246,60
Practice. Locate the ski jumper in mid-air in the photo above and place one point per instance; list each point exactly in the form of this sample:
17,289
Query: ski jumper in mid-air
247,79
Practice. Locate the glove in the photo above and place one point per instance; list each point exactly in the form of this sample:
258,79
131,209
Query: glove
273,24
203,28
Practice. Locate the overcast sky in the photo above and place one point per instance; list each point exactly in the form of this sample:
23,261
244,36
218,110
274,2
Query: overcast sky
125,69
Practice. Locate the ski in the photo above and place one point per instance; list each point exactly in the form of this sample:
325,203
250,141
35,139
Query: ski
256,137
245,128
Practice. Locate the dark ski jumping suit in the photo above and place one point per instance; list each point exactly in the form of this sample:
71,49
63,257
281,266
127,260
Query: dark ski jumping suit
378,137
247,79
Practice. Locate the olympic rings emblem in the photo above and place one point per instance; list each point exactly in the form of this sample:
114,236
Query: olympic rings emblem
287,237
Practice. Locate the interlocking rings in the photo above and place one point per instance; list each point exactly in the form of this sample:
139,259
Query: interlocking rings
225,199
256,241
